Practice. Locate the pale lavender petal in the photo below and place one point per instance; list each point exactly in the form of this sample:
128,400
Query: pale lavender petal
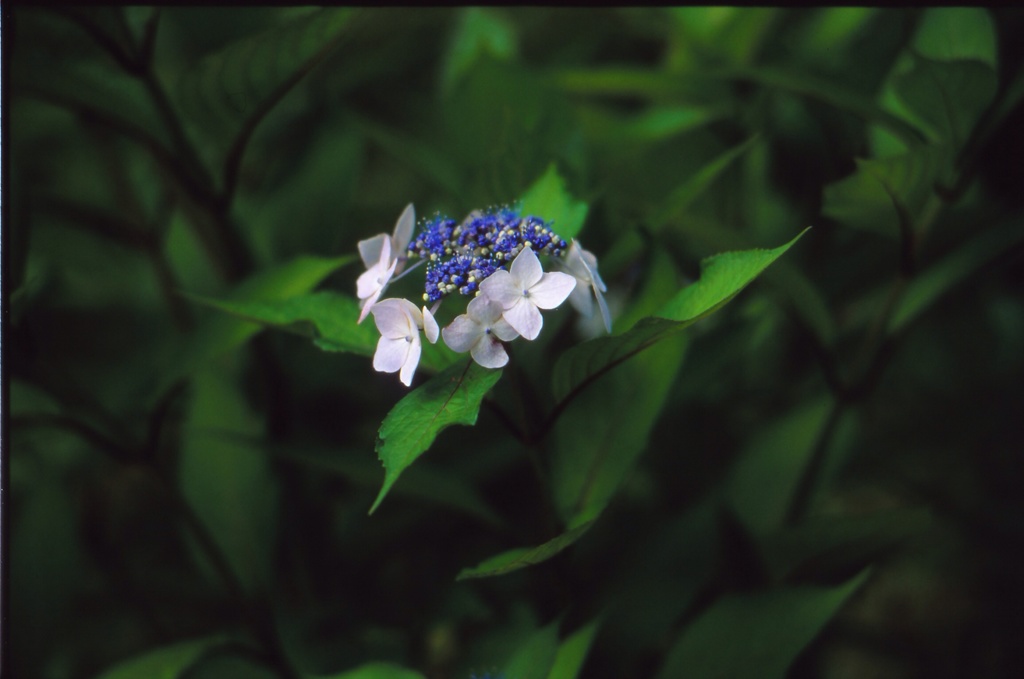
462,333
524,318
390,355
581,299
366,305
430,328
484,310
552,289
503,330
502,288
412,359
591,263
368,282
369,249
392,318
489,352
403,230
605,314
526,269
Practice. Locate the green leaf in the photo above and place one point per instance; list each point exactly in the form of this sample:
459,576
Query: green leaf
755,635
827,547
764,477
722,278
480,31
228,481
572,652
421,484
600,436
236,86
828,92
548,198
533,659
681,198
947,96
873,197
514,559
453,396
220,334
167,662
375,670
928,287
957,33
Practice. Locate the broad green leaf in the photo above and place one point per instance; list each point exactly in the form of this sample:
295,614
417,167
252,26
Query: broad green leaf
833,28
873,196
220,333
929,286
167,662
548,199
722,278
662,279
328,318
755,635
957,33
453,396
762,480
227,480
375,670
826,547
481,30
572,652
828,92
418,483
948,96
514,559
236,86
533,659
680,199
600,436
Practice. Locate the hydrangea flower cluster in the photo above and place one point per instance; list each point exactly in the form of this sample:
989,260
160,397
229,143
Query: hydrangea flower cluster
492,257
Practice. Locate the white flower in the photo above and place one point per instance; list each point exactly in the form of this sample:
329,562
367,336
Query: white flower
372,283
525,289
370,248
582,265
478,331
383,256
399,322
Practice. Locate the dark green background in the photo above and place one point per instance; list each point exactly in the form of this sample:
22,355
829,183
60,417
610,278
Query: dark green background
174,477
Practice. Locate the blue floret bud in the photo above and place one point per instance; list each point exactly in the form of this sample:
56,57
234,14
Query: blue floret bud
461,256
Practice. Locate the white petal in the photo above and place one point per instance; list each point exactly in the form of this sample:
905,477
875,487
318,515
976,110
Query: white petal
552,289
462,333
605,314
502,288
403,231
489,352
366,305
430,328
525,318
369,249
392,319
368,282
526,269
412,359
503,330
591,262
484,310
581,299
390,355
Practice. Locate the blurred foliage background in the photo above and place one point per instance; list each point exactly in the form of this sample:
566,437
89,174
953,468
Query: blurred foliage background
821,480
